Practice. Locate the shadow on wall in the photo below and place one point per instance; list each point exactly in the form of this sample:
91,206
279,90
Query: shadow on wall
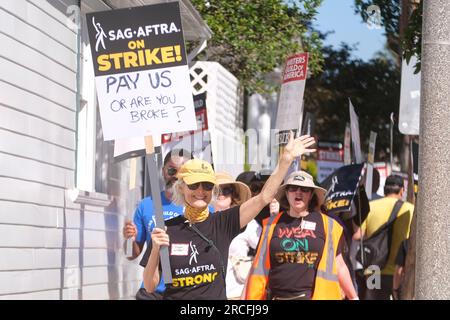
72,276
112,245
63,251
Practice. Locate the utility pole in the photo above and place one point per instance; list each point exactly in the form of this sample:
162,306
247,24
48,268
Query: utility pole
433,203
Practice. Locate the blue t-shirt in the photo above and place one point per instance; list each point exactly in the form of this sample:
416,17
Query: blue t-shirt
145,221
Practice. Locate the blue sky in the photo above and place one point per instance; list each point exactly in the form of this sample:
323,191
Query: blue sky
339,16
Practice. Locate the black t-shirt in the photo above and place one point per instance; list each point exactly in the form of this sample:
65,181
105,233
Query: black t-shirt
196,266
296,248
264,213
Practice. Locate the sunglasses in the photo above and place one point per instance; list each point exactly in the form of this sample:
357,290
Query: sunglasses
172,171
292,188
226,191
207,186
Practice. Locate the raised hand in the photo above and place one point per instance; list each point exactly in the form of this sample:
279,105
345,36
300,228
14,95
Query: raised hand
298,146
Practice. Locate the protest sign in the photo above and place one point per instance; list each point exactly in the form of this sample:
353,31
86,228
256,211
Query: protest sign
129,148
142,76
199,141
329,158
195,140
290,103
342,187
409,112
383,170
143,82
370,162
354,125
290,106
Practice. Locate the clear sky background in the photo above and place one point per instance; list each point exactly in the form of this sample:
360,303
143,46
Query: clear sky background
339,16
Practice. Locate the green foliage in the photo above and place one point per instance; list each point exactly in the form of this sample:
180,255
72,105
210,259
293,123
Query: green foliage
373,87
252,38
411,42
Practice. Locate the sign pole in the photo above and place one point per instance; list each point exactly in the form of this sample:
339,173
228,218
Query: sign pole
154,93
360,226
354,125
347,147
132,185
391,142
370,162
290,103
152,166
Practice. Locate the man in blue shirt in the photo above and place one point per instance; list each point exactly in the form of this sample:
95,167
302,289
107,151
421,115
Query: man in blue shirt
144,219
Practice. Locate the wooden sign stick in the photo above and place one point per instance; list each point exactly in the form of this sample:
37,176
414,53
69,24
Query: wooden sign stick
153,173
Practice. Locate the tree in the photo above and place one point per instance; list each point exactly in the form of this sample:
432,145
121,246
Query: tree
252,38
402,21
374,88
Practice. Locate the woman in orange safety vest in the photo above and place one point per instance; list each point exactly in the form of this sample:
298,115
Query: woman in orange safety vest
299,256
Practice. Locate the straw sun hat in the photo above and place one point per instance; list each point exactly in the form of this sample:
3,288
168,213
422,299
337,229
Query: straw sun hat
303,179
242,189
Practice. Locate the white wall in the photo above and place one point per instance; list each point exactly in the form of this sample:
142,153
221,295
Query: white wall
51,248
261,117
224,102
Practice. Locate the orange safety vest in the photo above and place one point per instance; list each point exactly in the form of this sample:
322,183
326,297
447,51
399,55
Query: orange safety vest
326,284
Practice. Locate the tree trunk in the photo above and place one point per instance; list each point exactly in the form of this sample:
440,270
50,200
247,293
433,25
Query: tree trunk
433,221
406,158
404,154
407,292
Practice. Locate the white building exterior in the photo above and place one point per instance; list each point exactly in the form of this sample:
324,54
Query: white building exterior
261,118
224,100
63,200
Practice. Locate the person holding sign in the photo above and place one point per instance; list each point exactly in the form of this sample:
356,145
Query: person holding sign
243,247
299,256
198,241
144,219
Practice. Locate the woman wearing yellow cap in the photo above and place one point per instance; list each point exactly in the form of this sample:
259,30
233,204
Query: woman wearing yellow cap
198,241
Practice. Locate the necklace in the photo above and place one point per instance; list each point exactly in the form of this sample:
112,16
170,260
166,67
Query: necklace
300,226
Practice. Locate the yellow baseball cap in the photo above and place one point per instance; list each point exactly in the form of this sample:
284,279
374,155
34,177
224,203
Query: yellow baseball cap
196,170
